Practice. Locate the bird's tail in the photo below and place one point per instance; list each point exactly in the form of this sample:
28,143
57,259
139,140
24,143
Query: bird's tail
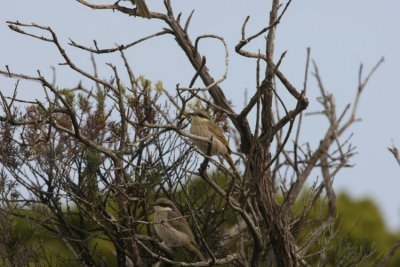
195,250
232,165
143,9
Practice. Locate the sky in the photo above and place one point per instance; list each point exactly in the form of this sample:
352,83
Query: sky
342,34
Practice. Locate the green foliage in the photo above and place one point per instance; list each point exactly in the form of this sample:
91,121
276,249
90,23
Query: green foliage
159,87
100,100
215,215
38,245
361,223
358,230
83,103
69,96
144,83
46,248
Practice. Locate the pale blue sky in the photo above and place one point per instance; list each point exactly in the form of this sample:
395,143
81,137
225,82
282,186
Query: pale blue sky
342,34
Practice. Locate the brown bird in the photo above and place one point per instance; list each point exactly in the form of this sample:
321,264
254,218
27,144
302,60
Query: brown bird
173,228
141,8
204,127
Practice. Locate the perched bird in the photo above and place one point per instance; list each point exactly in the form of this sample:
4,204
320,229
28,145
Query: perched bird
204,127
173,228
141,8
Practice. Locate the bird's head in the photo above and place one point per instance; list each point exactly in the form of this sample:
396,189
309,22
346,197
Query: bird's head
199,113
163,204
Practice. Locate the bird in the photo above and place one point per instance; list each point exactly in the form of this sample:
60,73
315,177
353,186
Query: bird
141,8
173,228
202,126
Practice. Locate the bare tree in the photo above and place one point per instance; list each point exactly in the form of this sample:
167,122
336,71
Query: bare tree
90,162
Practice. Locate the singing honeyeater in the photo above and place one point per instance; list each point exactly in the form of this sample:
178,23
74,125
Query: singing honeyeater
204,127
173,228
141,8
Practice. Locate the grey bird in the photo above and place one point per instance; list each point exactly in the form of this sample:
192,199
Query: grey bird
204,127
141,8
173,228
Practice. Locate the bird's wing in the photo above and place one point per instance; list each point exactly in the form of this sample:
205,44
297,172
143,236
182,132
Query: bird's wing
180,224
215,130
142,8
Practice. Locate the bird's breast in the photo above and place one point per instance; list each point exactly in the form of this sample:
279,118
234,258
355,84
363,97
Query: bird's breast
200,129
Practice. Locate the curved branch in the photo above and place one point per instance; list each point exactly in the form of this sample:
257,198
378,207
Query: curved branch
118,47
223,78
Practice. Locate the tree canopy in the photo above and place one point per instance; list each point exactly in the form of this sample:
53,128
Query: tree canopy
81,167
